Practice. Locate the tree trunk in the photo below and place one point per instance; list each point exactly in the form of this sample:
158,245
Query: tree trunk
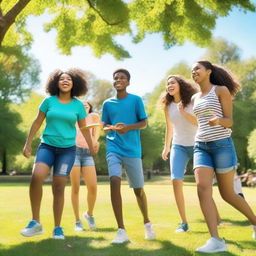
4,162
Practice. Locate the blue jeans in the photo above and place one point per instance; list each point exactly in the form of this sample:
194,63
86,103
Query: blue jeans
83,157
61,159
219,155
179,157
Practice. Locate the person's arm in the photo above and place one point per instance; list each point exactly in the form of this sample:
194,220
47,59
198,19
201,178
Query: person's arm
191,118
93,145
33,130
96,130
124,128
226,104
168,134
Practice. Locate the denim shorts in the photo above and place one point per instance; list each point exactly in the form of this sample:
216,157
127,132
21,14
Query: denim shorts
179,157
219,155
83,157
132,166
61,159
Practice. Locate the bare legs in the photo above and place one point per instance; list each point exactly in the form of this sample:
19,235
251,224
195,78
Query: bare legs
179,198
90,179
203,177
39,173
116,199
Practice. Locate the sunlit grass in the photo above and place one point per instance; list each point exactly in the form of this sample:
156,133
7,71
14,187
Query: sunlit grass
15,213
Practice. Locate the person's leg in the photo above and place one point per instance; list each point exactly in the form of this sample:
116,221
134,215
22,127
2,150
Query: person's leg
226,188
75,186
40,172
58,187
142,203
179,198
90,179
204,176
116,200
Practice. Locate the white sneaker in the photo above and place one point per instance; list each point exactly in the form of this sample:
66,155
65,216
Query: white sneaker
213,245
32,229
121,237
90,220
79,226
254,232
149,232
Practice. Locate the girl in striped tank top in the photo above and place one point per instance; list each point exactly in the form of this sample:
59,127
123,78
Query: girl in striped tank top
181,126
214,150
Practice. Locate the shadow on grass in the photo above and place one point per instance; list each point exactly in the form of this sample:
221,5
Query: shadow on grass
228,222
79,246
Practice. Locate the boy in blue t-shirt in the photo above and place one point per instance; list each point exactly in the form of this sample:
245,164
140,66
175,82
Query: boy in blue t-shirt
123,117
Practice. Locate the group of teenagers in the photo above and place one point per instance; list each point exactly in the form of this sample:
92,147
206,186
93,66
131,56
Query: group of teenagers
198,121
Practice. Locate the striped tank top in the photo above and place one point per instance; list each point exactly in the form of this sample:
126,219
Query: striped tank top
206,108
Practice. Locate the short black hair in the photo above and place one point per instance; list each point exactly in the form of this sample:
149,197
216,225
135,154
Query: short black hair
122,70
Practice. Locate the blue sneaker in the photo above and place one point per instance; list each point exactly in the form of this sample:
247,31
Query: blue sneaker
58,233
183,227
32,229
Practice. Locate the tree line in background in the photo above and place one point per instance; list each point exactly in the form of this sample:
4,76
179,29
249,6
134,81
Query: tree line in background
97,23
18,116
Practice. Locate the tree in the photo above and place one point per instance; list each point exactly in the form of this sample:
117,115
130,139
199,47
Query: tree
99,90
252,146
96,23
10,136
19,73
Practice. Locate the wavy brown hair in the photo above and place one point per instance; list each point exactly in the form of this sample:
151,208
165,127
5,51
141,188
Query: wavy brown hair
221,77
187,89
78,77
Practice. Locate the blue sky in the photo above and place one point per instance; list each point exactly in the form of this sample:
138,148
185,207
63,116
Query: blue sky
150,62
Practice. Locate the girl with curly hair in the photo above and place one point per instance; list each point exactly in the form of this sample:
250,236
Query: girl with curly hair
58,146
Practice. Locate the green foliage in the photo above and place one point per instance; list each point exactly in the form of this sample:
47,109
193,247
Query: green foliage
252,146
18,73
97,23
10,136
27,111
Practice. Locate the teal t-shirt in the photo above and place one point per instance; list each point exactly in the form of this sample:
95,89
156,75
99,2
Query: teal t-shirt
60,129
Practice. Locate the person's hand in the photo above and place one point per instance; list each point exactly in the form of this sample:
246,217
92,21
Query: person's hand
165,154
96,147
121,128
214,121
181,108
27,150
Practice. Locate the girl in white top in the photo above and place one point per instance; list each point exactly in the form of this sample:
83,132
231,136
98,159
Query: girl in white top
180,131
214,150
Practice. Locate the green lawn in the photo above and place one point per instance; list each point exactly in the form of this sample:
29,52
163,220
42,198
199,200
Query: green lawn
15,213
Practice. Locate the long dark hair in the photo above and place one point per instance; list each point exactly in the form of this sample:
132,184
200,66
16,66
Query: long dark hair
78,77
220,76
187,89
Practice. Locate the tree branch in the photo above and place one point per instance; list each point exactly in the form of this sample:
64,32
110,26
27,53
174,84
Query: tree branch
102,17
9,18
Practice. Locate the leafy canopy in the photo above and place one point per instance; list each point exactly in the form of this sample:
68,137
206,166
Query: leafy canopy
97,23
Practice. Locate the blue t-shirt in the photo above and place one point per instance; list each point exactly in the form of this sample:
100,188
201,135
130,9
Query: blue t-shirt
60,129
129,110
